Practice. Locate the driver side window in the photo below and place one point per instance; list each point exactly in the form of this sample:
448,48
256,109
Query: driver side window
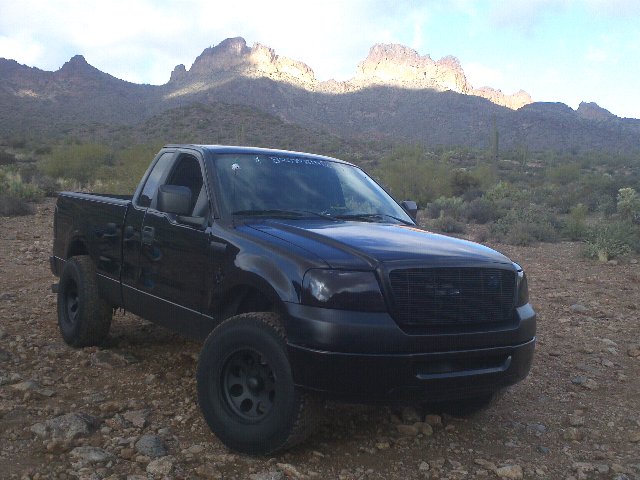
151,185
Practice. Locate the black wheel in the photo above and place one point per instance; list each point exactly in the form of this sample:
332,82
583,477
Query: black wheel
246,390
83,317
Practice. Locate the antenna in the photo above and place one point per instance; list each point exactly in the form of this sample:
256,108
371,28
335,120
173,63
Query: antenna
235,167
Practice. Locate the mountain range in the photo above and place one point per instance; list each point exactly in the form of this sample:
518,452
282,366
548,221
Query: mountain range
396,95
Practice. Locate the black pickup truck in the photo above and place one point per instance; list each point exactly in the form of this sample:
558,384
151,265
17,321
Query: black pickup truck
304,279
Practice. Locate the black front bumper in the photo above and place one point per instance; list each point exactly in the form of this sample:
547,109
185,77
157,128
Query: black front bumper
367,358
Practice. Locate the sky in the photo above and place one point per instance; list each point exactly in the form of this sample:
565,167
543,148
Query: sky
566,51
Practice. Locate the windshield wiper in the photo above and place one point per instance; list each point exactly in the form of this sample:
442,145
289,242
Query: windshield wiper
369,217
284,213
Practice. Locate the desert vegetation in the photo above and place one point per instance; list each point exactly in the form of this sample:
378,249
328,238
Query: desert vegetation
513,196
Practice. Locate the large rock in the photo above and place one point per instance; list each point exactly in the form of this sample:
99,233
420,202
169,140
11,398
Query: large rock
152,446
91,454
72,425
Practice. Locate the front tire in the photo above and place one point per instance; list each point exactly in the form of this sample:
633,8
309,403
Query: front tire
84,317
246,389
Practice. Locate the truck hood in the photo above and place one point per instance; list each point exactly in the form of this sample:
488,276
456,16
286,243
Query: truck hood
363,245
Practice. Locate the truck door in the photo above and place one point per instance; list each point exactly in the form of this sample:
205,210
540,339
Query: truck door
173,254
132,231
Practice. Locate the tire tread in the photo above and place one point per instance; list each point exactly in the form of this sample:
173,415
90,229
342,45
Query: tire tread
93,327
308,407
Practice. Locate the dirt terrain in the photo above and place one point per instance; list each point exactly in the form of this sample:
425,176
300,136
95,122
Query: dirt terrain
128,410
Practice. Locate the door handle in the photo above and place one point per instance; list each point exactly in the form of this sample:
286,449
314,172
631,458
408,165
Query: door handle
148,234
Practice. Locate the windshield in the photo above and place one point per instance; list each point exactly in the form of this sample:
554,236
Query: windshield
275,185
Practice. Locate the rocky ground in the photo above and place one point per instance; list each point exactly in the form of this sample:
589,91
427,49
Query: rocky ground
128,410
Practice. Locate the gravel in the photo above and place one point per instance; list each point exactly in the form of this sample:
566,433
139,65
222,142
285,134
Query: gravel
128,410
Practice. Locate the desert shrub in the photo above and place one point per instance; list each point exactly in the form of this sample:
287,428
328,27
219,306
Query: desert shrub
576,225
12,206
44,150
78,162
448,207
446,224
564,174
471,195
7,158
629,204
18,143
482,235
482,211
25,191
606,206
506,195
612,240
559,197
462,181
29,172
523,226
48,186
411,173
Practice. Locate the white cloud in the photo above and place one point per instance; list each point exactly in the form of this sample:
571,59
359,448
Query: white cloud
595,55
21,51
480,76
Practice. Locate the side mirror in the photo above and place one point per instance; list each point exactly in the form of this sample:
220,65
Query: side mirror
411,208
174,199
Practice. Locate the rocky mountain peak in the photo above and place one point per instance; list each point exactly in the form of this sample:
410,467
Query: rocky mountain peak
397,64
223,57
593,111
387,64
78,68
233,54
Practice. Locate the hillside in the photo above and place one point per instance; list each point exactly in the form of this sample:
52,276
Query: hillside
396,95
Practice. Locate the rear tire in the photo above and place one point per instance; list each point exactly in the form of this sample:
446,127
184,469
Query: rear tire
84,317
246,389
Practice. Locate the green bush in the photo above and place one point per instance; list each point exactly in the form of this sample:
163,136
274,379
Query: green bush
606,206
44,150
25,191
506,195
564,174
78,162
48,186
576,225
523,226
18,143
629,204
411,173
446,224
449,207
612,240
462,181
12,206
7,158
482,211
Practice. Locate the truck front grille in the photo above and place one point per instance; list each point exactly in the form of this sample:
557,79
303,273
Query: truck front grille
453,296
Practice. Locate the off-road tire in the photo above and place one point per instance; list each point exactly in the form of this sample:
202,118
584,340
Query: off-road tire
246,390
84,317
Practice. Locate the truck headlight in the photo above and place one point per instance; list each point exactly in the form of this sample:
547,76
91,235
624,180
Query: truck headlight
342,290
523,287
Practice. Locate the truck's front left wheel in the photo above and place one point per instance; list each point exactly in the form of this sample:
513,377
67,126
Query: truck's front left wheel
84,317
246,390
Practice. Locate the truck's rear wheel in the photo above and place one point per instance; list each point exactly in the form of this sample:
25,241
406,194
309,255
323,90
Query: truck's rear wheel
246,390
84,317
